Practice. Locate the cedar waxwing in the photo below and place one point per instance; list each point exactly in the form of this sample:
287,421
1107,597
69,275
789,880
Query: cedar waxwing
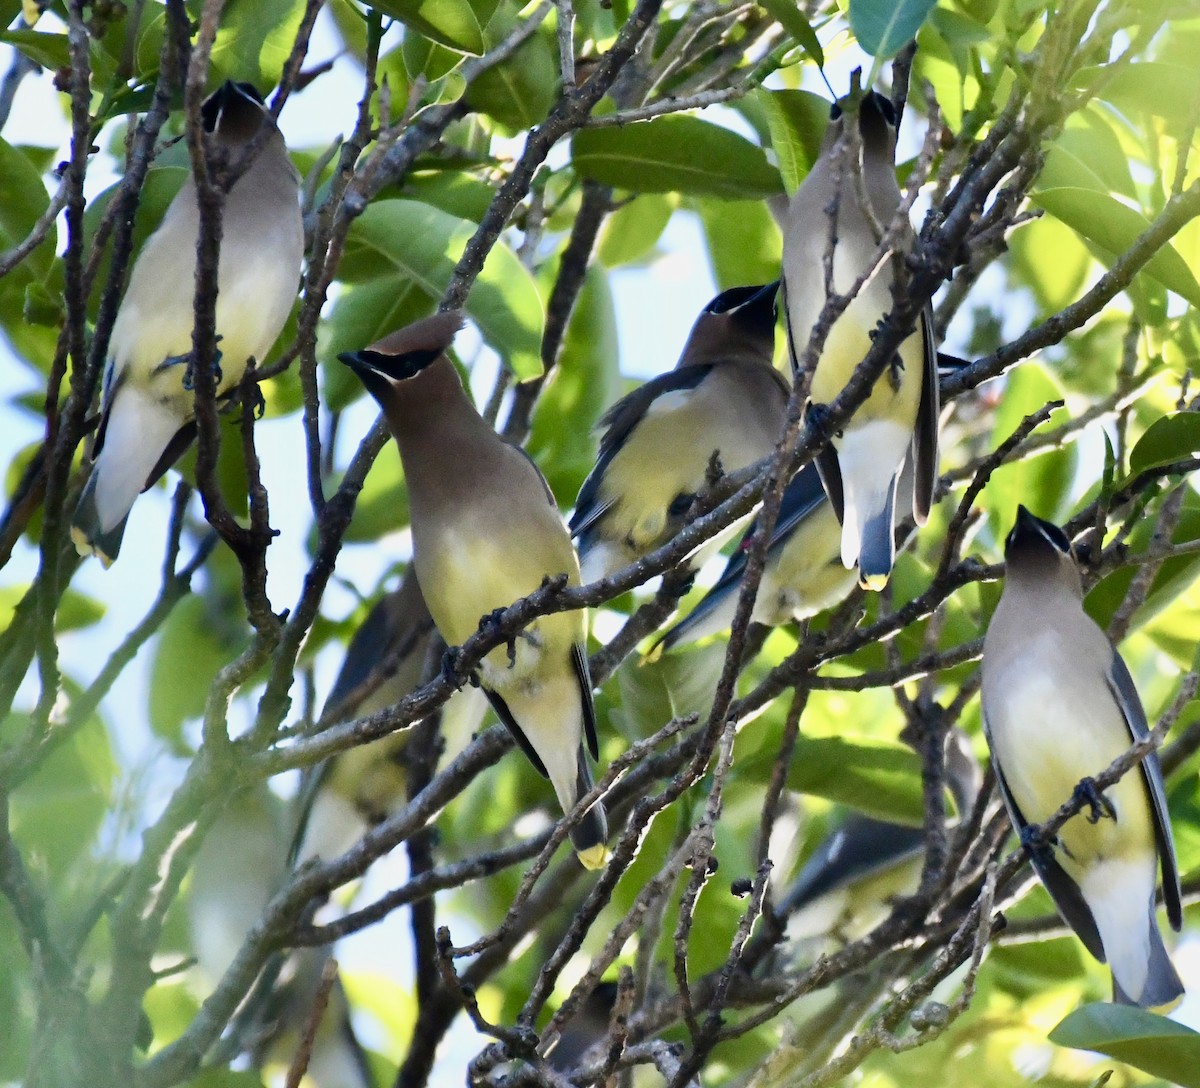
240,865
486,532
847,885
147,401
899,420
343,796
1059,706
803,574
723,398
585,1029
385,661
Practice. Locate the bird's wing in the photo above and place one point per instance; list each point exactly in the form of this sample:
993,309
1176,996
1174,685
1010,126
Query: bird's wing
1063,890
800,498
619,421
860,847
1121,685
510,723
579,663
925,434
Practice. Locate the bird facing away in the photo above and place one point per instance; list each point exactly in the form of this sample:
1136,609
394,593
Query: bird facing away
723,400
360,786
803,574
847,885
899,419
486,532
1059,706
147,412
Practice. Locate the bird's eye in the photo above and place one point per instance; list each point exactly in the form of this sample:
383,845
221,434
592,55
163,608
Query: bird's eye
885,107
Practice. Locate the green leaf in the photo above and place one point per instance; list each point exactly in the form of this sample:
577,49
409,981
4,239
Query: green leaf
1148,1042
1169,439
206,636
49,50
457,24
1043,481
1164,89
1113,227
879,778
745,244
521,91
23,198
1055,282
420,244
586,380
676,154
884,27
631,233
461,195
255,39
57,810
789,16
797,120
1088,155
382,505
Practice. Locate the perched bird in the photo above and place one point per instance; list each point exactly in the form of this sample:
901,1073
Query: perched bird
899,419
360,786
847,884
486,532
803,574
723,400
588,1027
241,864
341,797
147,400
1059,706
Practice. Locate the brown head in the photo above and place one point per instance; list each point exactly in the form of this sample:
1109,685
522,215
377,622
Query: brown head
737,323
234,113
404,354
1038,552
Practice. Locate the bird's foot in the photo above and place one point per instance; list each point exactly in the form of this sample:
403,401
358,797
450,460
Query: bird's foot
1088,793
450,671
817,417
188,362
1036,844
680,505
255,398
895,371
491,622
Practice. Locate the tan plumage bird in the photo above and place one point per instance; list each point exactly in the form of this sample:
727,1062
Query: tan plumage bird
723,398
486,532
802,575
899,420
1059,706
147,400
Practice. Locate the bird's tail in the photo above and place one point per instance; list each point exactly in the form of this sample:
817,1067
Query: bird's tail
590,835
870,458
137,431
1163,988
876,543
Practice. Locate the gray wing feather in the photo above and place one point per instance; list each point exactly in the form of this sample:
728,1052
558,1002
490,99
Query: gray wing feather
925,434
1122,687
1063,890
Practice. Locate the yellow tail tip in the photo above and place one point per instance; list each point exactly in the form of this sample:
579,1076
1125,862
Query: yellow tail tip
1169,1007
84,547
594,857
873,582
651,655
